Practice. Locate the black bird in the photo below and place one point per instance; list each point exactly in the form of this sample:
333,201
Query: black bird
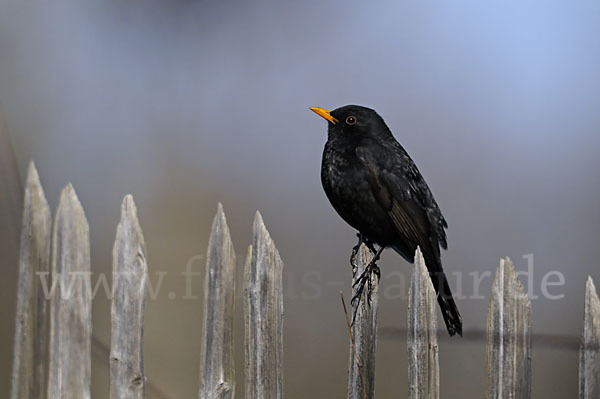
375,186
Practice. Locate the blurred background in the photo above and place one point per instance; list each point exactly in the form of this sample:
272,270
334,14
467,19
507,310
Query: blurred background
187,103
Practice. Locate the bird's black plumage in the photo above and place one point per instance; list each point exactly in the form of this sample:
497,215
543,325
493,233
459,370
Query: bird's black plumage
375,186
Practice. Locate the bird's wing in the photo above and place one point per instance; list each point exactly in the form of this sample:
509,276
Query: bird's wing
397,190
402,192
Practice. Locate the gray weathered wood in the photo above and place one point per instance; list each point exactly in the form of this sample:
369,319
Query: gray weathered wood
70,307
30,364
263,313
423,362
217,378
508,336
11,203
589,352
361,368
130,274
101,352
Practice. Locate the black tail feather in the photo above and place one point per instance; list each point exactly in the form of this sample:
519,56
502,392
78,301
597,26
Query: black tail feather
451,315
448,307
433,263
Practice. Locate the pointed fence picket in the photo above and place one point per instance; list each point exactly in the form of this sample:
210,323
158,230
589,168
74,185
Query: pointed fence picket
31,335
217,377
263,315
70,362
589,352
130,273
423,365
361,370
508,336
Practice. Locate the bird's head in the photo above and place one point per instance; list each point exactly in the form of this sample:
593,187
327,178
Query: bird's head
353,122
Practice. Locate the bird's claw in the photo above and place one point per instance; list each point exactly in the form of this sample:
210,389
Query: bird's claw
365,276
361,282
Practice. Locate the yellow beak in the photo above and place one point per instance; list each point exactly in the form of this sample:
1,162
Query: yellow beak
324,113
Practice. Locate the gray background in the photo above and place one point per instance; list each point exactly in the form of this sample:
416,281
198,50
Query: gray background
184,104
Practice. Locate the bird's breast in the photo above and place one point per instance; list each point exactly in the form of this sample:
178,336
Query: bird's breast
345,183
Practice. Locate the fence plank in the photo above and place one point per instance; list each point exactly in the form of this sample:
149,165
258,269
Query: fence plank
30,364
423,362
130,274
11,205
263,305
70,307
361,370
508,336
217,378
589,352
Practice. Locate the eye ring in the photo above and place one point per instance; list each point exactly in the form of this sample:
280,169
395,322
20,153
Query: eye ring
351,120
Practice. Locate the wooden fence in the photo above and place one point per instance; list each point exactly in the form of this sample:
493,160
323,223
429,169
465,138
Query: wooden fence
52,347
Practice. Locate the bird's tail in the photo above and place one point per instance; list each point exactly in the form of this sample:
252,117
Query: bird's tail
444,295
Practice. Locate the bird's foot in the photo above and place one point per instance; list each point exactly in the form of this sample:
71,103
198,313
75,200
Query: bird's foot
361,282
364,280
361,240
370,268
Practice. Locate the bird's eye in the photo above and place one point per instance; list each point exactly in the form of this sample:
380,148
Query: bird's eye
350,120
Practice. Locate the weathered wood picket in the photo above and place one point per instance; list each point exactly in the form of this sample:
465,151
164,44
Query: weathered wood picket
217,377
70,361
589,352
32,326
508,336
130,273
361,370
263,315
52,347
423,371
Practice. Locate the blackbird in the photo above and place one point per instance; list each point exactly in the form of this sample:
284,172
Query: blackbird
375,186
